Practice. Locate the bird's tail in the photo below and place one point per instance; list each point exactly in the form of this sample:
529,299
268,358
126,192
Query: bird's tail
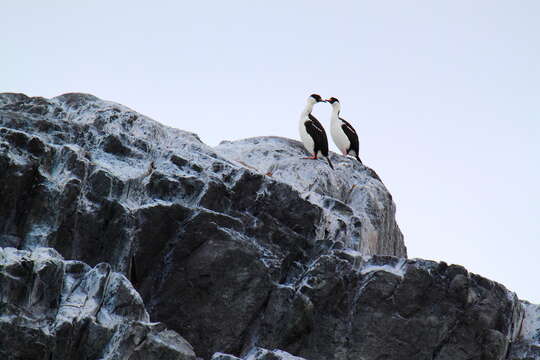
358,158
329,162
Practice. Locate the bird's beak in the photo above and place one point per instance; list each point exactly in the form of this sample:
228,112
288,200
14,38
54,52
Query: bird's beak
326,100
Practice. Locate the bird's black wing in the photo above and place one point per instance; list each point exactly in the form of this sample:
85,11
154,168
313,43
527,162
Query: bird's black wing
351,135
316,131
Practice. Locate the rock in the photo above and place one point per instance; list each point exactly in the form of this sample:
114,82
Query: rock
389,308
357,208
239,248
259,354
221,356
51,308
527,344
101,183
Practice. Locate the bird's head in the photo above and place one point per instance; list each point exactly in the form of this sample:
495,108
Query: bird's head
334,102
315,98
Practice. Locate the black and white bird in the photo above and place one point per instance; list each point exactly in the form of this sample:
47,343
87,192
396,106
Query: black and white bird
312,133
343,134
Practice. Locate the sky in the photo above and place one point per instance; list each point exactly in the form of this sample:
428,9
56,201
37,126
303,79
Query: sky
445,96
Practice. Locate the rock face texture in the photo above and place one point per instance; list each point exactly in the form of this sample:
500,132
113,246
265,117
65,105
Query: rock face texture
259,354
357,209
527,345
238,249
57,309
392,309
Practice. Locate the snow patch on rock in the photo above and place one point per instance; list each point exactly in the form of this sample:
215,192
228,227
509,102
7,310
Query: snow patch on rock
398,268
530,330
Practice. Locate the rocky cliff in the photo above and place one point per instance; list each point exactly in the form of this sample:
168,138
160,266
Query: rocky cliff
236,249
57,309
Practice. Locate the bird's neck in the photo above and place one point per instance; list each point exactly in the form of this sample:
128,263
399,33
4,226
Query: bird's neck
308,109
335,112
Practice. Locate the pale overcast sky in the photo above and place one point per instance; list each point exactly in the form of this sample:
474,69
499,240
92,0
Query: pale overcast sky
445,96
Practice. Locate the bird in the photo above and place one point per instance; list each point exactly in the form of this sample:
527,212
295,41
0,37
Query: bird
312,132
343,134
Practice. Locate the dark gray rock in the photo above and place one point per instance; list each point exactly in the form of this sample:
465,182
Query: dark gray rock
56,309
391,308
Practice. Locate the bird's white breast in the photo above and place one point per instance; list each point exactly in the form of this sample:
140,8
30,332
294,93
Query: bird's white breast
338,135
306,138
